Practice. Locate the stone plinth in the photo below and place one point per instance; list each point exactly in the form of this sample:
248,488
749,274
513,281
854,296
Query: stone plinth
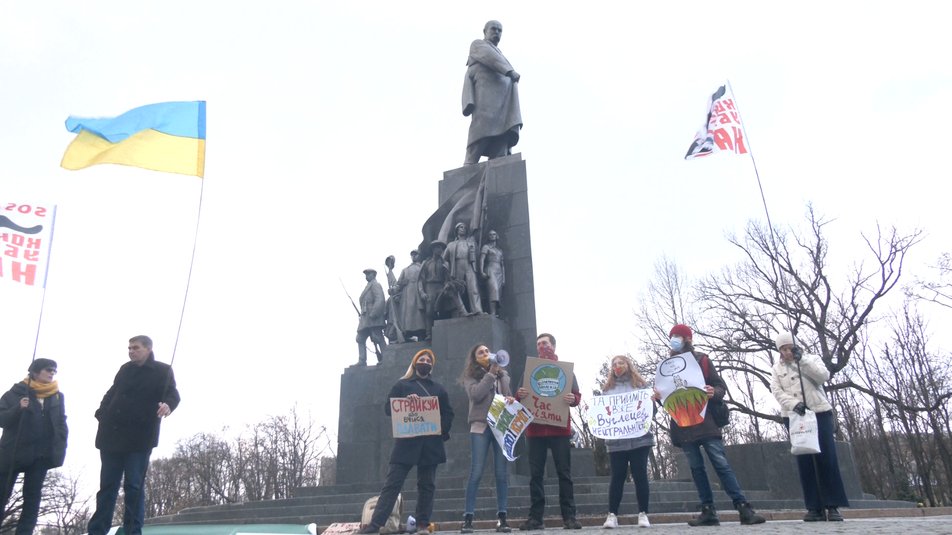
364,430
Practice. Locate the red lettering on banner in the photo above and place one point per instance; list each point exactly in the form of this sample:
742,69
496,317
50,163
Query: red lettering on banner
33,243
26,272
414,405
539,404
723,139
12,251
31,256
4,237
740,148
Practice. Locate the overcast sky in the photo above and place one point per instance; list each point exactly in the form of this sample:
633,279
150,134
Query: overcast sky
330,124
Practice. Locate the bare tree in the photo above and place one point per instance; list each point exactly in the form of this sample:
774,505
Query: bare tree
937,290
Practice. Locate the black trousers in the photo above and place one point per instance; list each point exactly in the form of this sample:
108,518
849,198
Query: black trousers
426,487
561,456
637,459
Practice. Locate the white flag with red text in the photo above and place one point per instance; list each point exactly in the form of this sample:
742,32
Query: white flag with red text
26,234
722,130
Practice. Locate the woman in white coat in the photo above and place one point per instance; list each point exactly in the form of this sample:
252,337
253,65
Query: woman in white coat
823,491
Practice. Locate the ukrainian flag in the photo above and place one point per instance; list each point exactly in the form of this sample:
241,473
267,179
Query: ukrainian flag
168,137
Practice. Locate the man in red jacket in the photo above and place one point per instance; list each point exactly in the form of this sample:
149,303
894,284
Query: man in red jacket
546,437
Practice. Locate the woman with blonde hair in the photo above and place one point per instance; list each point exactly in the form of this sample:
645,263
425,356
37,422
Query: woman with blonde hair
424,452
482,379
627,453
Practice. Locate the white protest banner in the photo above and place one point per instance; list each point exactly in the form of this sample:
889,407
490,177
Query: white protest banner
625,415
26,235
681,383
547,381
508,421
414,417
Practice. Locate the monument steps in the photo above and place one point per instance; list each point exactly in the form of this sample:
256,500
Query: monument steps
325,505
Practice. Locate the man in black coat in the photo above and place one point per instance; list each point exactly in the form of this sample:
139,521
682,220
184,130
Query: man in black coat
424,452
129,415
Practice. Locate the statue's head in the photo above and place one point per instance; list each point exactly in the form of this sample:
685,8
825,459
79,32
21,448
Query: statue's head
460,229
493,235
414,255
492,31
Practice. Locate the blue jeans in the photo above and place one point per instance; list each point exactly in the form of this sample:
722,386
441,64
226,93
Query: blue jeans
481,444
130,469
715,452
32,490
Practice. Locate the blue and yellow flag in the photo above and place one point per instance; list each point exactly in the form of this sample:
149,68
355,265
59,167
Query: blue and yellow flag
168,137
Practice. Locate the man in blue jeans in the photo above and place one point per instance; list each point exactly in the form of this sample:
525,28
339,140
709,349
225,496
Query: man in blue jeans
129,415
707,435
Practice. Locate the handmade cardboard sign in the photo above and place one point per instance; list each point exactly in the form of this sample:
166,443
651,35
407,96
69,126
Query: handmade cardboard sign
414,417
547,381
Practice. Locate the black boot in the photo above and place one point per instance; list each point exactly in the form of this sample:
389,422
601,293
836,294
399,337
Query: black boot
833,514
501,525
814,515
708,517
467,523
747,515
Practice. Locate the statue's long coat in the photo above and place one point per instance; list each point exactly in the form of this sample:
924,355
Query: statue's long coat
489,95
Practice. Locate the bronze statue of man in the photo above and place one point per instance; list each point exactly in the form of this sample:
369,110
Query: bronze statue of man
491,96
373,313
460,255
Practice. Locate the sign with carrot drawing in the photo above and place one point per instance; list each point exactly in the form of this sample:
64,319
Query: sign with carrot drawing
681,383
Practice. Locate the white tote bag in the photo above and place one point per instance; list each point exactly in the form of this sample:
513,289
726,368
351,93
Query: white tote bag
804,435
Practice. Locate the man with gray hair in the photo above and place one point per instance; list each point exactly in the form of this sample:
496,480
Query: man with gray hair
491,96
142,393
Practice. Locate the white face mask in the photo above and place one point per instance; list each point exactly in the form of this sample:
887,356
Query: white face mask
676,343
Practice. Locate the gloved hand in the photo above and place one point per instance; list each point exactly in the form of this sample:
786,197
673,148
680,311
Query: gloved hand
797,353
800,408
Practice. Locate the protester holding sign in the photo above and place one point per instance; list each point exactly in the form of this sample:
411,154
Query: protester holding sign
425,451
707,434
541,438
627,452
796,375
483,379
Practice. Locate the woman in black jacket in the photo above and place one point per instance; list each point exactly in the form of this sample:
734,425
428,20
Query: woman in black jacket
33,419
425,451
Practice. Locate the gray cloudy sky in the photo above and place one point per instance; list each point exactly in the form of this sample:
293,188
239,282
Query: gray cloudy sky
330,123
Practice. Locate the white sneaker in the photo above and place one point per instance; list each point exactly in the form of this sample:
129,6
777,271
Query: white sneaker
643,520
611,522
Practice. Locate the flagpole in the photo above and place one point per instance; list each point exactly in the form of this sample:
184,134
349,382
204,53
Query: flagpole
188,284
773,240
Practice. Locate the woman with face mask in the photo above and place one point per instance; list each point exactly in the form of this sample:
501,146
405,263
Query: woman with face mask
34,438
425,452
482,379
627,452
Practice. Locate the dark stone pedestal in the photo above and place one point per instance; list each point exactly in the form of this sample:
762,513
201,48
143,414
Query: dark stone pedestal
364,430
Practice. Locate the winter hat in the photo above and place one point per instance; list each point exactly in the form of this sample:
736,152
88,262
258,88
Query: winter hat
783,339
39,365
681,330
420,353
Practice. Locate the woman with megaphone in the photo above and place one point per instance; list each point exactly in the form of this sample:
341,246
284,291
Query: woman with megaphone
483,377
